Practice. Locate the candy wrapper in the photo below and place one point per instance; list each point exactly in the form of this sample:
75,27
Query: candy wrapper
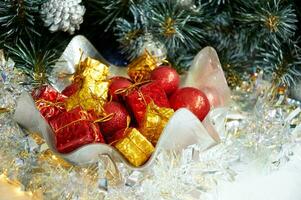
139,98
74,129
135,147
154,121
49,101
140,68
93,89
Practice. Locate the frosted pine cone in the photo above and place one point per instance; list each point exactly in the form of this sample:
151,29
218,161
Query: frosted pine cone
64,15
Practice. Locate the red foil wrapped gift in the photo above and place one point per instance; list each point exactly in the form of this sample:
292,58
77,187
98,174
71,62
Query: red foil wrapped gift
74,129
49,101
71,89
139,98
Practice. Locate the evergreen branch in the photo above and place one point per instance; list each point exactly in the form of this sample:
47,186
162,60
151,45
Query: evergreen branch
130,37
271,19
220,33
215,2
178,28
35,57
282,63
234,64
17,18
181,60
107,12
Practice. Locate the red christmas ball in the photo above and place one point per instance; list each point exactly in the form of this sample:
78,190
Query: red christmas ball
118,83
167,77
114,137
192,99
213,96
117,121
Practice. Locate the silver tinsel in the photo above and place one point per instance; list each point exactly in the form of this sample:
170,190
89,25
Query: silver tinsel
262,134
64,15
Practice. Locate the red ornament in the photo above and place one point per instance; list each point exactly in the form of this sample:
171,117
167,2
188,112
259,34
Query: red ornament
192,99
118,83
116,136
118,120
139,98
49,102
213,96
71,89
167,77
74,129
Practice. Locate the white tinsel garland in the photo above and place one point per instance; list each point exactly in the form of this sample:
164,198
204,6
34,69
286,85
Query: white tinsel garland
257,154
66,15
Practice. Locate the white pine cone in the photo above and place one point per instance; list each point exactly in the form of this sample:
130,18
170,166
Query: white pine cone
64,15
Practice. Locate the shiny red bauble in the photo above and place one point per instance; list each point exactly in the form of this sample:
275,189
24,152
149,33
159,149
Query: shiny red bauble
118,83
167,77
118,135
117,121
192,99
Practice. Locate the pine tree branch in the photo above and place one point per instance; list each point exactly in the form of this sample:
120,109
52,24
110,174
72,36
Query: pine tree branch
130,36
37,56
106,12
270,20
17,19
282,63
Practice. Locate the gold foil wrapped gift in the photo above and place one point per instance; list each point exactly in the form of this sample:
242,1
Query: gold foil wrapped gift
135,147
140,68
155,119
93,91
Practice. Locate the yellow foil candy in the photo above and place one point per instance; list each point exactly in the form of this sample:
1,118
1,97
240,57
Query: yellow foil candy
94,70
140,68
94,88
154,121
135,147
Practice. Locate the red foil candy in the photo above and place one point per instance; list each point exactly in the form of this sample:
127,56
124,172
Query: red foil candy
138,99
74,129
49,101
71,89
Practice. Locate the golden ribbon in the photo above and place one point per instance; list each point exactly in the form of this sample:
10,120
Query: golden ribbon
131,87
48,104
4,110
84,116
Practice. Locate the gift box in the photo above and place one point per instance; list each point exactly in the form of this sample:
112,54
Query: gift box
134,146
139,98
49,102
88,100
48,93
91,85
71,89
172,138
154,121
74,129
141,67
